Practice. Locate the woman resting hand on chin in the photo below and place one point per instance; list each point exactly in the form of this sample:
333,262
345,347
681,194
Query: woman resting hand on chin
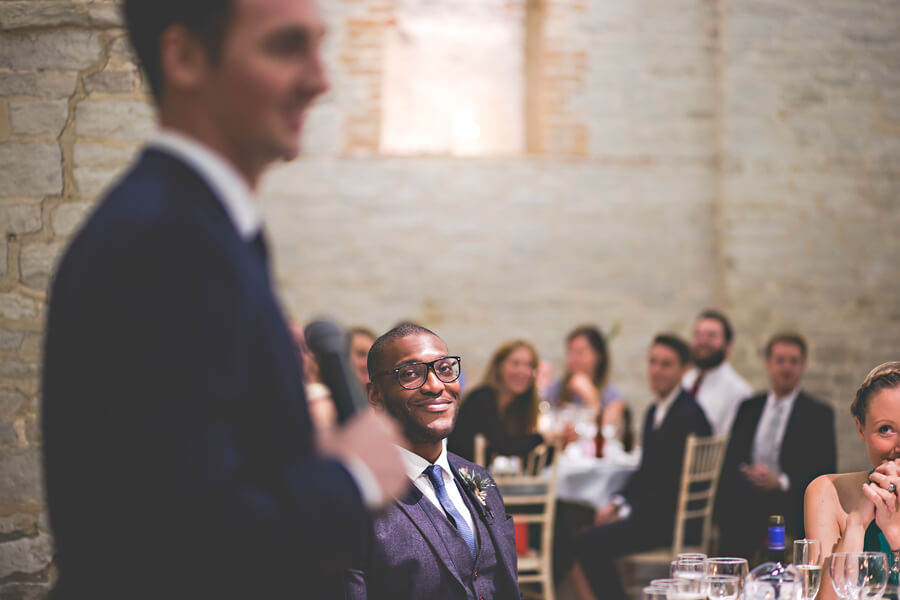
855,512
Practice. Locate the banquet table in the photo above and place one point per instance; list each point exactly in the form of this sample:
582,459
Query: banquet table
591,481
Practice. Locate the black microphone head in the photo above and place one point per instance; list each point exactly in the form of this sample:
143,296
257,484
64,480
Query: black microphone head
325,336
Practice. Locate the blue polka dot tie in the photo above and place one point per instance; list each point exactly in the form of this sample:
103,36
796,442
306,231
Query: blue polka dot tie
437,481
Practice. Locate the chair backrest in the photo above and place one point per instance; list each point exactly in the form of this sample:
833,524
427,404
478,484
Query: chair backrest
480,450
699,481
533,492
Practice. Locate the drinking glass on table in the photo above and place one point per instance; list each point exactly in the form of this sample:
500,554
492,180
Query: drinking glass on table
652,592
721,587
689,569
727,565
686,589
858,575
808,559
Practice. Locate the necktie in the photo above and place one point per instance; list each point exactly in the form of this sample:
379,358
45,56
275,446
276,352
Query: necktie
696,387
259,245
770,429
437,481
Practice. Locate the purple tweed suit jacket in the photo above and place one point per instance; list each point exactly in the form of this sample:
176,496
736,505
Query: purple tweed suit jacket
406,559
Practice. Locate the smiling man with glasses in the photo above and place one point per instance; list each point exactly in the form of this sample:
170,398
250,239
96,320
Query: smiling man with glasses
449,536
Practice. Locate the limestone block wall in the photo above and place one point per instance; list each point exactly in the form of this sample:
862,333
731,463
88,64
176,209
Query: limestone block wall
681,153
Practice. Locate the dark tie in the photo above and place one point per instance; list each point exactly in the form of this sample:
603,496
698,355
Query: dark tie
259,245
696,387
437,481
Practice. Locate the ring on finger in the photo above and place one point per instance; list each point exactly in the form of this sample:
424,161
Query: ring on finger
892,488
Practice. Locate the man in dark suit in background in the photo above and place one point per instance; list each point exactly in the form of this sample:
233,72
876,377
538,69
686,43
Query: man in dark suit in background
179,454
642,516
780,441
442,540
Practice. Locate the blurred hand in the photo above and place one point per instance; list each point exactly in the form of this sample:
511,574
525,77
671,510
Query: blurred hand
582,386
607,514
887,506
372,438
762,477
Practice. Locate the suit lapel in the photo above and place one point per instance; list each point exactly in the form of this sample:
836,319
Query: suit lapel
489,518
412,507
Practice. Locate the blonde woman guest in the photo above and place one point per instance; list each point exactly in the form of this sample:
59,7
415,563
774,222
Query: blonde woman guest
852,512
504,408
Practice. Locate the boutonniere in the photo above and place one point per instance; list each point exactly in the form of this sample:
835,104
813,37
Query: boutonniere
477,483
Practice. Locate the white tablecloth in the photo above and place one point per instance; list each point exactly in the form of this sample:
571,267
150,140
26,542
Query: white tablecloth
594,481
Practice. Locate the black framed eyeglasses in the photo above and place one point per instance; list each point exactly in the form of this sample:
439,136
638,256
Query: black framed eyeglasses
412,376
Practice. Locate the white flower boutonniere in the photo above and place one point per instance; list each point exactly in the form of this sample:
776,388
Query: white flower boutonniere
477,482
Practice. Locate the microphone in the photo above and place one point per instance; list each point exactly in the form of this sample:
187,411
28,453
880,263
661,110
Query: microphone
328,341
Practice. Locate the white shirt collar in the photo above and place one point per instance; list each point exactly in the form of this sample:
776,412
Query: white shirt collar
416,465
771,399
227,184
663,405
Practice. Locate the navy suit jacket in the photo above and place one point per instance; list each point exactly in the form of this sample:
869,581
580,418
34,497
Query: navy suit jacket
807,451
178,447
407,559
653,489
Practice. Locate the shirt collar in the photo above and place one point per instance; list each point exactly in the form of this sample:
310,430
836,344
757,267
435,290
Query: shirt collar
771,399
670,397
416,465
227,184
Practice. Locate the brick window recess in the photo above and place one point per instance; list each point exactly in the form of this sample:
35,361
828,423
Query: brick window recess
453,78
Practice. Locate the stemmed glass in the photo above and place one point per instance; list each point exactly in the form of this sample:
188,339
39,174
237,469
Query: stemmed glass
858,575
808,560
726,565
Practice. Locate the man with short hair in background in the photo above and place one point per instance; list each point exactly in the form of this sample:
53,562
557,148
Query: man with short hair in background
718,388
781,440
642,516
449,538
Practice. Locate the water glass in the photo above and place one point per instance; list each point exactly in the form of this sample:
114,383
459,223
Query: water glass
875,575
808,560
721,587
652,592
727,565
686,589
691,570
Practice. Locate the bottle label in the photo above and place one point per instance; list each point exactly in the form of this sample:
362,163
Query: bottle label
776,537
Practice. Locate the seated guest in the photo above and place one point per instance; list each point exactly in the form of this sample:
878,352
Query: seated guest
642,516
504,408
718,388
854,512
449,537
586,380
359,340
318,397
780,441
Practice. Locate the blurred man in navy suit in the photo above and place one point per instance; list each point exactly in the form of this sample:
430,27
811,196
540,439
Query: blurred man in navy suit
179,453
444,539
642,516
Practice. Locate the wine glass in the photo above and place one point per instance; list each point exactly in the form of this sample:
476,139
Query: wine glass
686,589
858,575
727,565
721,587
874,575
808,560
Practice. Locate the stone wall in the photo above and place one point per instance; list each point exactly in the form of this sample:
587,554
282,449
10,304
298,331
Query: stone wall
681,153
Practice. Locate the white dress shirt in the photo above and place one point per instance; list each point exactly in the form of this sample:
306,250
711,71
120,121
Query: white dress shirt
721,392
770,433
236,197
415,469
663,406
